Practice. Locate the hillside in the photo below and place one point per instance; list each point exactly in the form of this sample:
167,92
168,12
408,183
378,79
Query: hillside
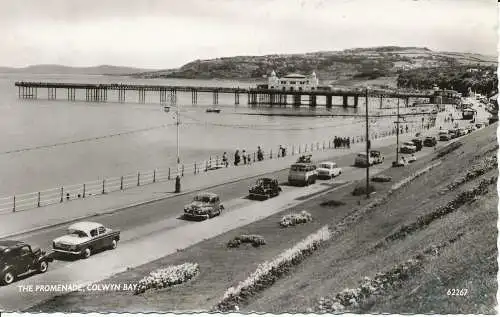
61,69
359,63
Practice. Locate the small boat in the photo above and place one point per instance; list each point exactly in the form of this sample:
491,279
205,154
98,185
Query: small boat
215,110
166,108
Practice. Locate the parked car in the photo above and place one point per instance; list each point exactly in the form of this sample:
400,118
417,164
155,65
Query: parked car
203,206
374,158
84,238
304,158
454,133
417,143
463,131
377,157
412,158
302,174
19,259
430,141
265,188
408,148
328,170
444,135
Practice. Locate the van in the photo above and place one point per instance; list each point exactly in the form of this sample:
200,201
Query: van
302,174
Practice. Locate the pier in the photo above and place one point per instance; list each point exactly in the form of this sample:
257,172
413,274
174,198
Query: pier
168,94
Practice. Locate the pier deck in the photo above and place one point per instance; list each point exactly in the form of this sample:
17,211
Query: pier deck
168,93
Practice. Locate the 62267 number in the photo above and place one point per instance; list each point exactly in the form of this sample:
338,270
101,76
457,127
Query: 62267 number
457,292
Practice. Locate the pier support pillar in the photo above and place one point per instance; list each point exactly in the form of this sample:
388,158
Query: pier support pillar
381,99
329,101
356,101
345,101
216,97
296,100
236,98
312,100
407,101
194,96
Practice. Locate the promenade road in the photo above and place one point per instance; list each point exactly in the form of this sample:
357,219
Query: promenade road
146,239
237,179
156,226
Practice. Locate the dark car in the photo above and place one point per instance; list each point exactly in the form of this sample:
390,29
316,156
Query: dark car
430,141
265,188
455,133
18,259
418,144
84,238
203,206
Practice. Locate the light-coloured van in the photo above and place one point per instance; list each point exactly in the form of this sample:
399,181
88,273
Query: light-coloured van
302,174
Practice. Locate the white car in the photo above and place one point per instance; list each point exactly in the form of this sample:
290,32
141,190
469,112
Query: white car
84,238
328,170
408,147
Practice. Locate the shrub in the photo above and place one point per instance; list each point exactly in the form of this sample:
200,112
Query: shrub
268,272
294,219
360,189
255,240
381,178
167,277
332,203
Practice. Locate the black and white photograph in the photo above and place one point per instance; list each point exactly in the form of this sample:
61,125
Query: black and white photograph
249,156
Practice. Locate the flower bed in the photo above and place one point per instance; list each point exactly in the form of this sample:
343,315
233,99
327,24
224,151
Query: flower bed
332,203
167,277
448,149
268,272
381,178
453,205
255,240
383,280
477,170
412,177
295,219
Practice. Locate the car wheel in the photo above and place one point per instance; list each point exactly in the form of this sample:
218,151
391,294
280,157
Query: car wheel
8,278
43,266
86,253
114,244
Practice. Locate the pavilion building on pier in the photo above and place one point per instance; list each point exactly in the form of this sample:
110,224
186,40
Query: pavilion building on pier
293,82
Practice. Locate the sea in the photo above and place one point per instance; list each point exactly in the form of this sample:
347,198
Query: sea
46,144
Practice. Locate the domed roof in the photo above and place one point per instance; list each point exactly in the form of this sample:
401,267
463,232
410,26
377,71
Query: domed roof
295,76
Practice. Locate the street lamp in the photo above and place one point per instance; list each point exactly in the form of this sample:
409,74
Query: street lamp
172,102
367,147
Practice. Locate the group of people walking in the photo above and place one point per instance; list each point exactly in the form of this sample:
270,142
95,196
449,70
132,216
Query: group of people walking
246,158
339,142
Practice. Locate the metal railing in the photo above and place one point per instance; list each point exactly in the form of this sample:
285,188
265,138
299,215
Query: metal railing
66,193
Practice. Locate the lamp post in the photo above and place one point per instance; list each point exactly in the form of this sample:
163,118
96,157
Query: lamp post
173,103
367,147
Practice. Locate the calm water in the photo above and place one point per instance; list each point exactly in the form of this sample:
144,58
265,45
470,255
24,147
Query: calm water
45,144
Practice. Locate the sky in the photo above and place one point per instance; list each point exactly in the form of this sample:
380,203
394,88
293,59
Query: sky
160,34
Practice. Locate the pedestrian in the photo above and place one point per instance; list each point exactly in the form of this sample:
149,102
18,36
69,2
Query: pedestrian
224,159
335,142
236,157
248,159
283,152
348,143
260,155
280,151
244,155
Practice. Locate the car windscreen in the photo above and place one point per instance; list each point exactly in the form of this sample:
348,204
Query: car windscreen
203,199
298,168
328,166
77,233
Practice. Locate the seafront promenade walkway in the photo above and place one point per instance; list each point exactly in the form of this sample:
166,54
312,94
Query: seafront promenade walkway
14,223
